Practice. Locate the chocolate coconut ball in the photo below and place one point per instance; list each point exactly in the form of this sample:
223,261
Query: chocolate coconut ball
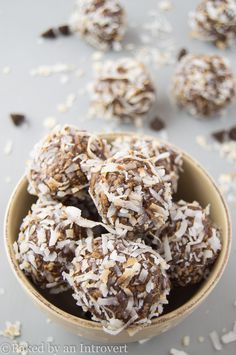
191,243
102,23
120,282
61,162
122,89
162,155
204,85
47,241
215,21
130,194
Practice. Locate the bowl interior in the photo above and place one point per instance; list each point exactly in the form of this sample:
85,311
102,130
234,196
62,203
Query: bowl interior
194,184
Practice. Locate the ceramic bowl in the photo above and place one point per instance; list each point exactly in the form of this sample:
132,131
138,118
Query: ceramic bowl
194,184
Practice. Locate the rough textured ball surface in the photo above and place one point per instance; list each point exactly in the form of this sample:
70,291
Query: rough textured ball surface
61,162
203,84
191,243
120,282
122,89
102,23
130,194
161,154
215,21
46,243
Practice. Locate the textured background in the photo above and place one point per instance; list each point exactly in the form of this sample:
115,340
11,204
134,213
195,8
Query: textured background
21,22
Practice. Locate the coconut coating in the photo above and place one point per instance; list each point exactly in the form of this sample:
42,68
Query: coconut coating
120,282
122,89
61,162
129,193
215,21
203,84
191,243
161,154
102,23
47,241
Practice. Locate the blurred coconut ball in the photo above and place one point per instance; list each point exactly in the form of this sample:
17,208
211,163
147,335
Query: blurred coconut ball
102,23
215,21
204,85
122,89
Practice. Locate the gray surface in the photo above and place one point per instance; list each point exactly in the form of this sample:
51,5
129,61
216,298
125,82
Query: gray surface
20,24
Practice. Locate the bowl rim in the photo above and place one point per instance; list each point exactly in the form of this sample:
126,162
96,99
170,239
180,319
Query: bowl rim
186,308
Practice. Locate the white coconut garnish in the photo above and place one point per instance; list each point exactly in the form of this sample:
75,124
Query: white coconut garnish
215,340
177,352
230,336
167,249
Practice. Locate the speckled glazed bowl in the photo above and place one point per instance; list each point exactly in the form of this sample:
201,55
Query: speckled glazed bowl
194,184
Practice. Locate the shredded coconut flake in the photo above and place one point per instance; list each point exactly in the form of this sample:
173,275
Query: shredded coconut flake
215,340
8,147
12,330
186,340
177,352
229,337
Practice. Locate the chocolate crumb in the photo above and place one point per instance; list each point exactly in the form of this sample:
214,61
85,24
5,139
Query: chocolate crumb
182,53
157,124
50,33
64,30
232,133
17,118
220,136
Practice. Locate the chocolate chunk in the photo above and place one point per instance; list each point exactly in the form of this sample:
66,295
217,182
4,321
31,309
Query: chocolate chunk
50,33
157,124
220,136
182,53
64,30
232,133
17,118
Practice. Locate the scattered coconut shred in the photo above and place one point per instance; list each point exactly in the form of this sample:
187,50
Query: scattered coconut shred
49,122
201,339
165,5
177,352
158,46
12,330
227,184
186,340
229,337
227,149
215,339
47,70
69,101
8,147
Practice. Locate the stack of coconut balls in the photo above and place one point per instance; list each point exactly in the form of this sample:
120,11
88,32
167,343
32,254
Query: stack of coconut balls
107,226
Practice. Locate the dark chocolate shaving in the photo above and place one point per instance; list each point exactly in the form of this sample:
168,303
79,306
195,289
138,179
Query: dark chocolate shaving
232,133
64,30
50,33
17,118
157,124
220,136
182,53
